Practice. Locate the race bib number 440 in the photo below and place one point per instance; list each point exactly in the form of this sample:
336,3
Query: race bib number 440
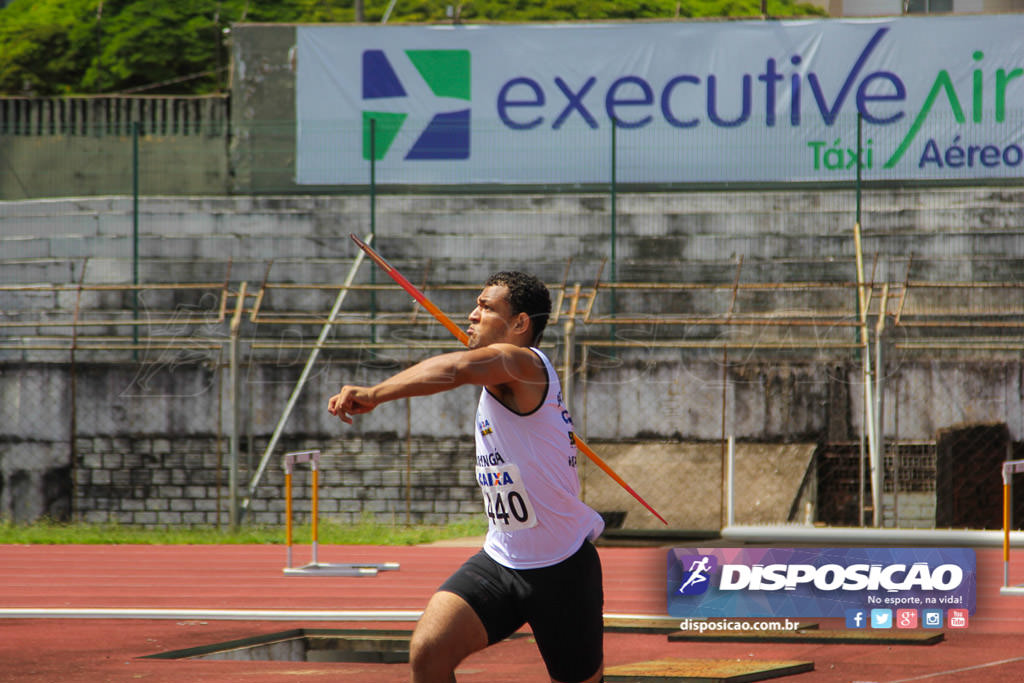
506,502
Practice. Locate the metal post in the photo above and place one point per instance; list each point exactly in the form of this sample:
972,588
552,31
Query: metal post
373,223
868,393
876,500
723,452
614,212
235,407
135,237
584,357
314,513
860,160
879,406
73,398
288,510
1007,497
730,476
233,439
569,341
408,461
861,497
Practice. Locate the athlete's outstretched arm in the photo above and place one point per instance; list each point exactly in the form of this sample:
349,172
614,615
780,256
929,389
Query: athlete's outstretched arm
492,365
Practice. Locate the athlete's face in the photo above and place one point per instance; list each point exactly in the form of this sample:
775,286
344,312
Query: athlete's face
492,320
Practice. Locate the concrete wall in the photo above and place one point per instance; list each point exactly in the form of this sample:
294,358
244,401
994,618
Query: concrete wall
148,446
960,234
911,510
935,235
74,147
262,151
176,481
793,400
62,165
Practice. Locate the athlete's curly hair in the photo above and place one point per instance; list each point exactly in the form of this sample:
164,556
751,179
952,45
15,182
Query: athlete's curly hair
526,294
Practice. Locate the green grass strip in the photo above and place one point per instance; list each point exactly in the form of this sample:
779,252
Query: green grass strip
365,532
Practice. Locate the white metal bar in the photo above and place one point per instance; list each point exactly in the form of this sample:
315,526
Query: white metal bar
239,614
1011,467
886,536
297,457
208,614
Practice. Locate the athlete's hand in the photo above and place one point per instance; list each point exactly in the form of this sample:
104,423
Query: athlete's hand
351,401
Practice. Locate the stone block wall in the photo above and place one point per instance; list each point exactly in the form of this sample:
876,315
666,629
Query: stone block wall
163,482
911,510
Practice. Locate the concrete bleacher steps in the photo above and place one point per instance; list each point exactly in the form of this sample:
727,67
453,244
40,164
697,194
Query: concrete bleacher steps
958,234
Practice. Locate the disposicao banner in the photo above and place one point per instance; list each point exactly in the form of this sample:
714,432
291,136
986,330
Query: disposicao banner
691,102
823,582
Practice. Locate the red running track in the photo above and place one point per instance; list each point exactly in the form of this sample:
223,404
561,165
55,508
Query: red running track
50,650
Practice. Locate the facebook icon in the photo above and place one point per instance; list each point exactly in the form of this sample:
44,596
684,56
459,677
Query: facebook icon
856,618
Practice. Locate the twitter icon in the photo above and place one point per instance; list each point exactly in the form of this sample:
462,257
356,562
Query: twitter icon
881,618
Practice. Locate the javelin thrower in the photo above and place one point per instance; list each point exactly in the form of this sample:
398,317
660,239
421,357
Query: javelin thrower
538,564
457,332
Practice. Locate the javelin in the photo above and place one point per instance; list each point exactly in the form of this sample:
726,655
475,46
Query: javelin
464,338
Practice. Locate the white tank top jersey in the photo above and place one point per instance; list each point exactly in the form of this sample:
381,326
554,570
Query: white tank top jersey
526,468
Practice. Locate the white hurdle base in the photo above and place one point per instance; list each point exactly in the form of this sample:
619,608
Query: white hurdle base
1011,590
327,569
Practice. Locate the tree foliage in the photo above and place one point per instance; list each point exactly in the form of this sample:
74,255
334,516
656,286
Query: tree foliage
60,47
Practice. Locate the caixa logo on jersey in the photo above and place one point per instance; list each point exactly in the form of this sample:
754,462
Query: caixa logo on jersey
446,74
816,582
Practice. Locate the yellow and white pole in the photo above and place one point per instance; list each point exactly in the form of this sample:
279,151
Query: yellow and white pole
314,512
1007,478
290,461
288,509
1009,468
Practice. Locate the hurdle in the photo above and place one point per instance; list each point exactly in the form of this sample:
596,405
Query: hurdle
1010,467
315,567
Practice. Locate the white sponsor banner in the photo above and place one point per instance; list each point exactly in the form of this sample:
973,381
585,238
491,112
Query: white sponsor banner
694,102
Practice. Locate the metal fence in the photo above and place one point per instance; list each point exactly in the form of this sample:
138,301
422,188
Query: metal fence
165,417
96,146
859,342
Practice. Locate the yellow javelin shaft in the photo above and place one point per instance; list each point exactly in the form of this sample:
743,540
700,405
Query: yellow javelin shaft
462,337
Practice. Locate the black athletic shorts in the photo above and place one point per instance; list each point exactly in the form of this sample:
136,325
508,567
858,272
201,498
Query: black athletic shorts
563,605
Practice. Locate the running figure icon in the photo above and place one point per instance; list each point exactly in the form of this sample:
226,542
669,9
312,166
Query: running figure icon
698,573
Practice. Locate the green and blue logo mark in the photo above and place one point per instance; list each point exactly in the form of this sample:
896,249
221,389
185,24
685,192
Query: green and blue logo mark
447,74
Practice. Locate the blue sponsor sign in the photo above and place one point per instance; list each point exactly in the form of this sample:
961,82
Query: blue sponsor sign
850,583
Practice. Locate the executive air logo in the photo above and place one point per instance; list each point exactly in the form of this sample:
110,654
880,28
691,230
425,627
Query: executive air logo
446,73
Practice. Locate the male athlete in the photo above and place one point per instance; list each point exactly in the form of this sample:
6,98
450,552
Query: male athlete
538,565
